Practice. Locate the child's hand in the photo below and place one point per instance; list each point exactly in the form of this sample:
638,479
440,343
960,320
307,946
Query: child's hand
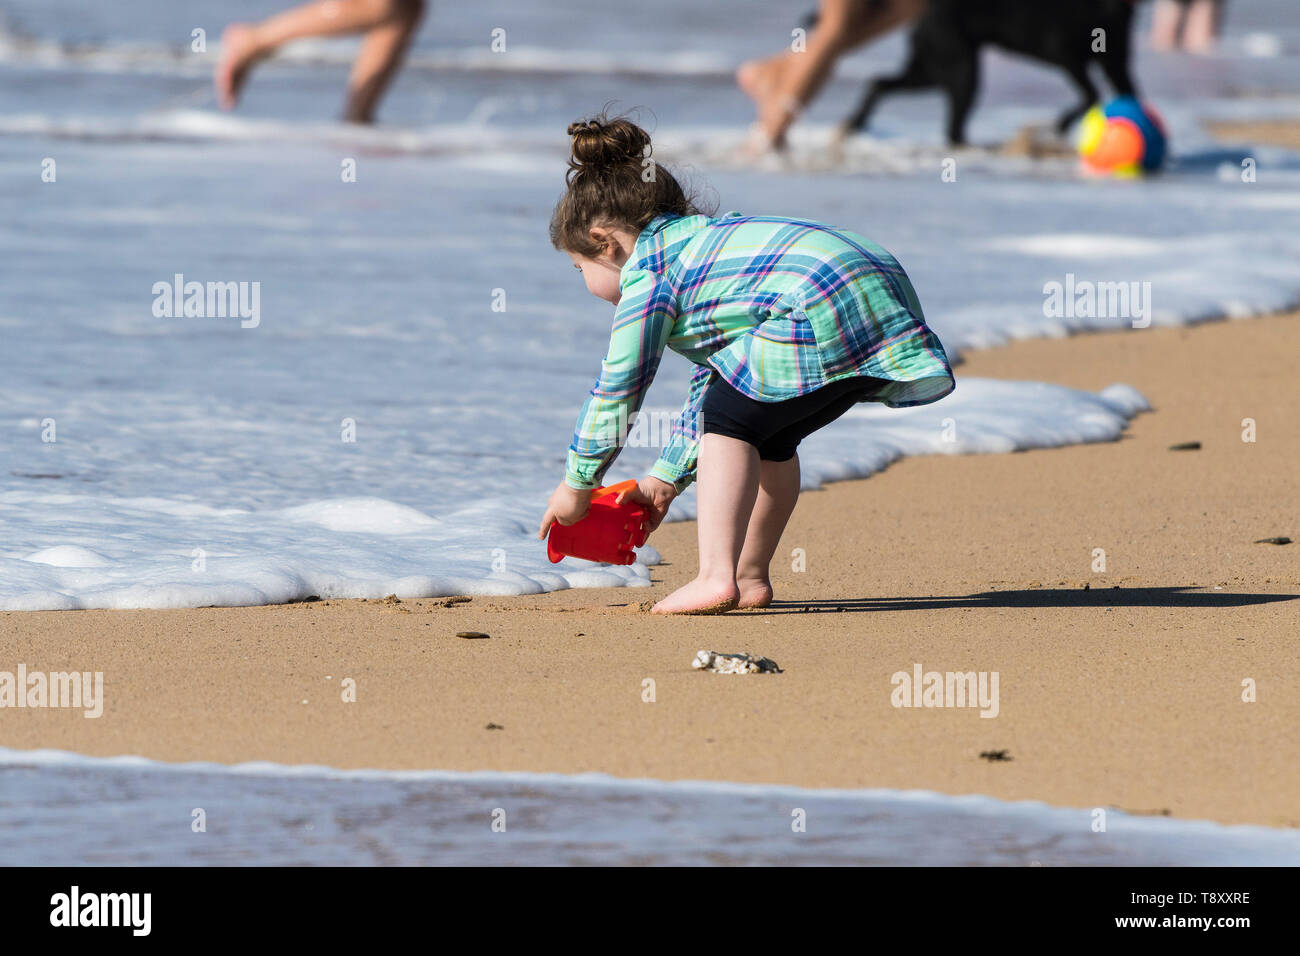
567,506
656,495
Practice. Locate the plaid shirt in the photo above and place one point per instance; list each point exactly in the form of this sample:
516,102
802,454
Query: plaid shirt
776,307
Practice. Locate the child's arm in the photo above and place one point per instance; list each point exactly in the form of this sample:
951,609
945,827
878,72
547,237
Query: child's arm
642,323
676,464
675,469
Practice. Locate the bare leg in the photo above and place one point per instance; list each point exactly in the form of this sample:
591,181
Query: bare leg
1201,28
728,471
755,77
1166,24
782,85
378,61
778,493
390,24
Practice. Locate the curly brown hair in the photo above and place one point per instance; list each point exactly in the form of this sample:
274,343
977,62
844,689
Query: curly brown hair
613,182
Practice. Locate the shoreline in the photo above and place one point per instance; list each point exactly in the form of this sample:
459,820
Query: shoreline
419,817
67,760
1134,704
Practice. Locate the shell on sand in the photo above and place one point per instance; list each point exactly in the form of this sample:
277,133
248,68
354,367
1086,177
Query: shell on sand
744,663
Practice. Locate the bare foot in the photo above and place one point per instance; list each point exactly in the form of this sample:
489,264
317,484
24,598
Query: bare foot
754,593
767,133
756,77
760,81
749,77
239,51
699,597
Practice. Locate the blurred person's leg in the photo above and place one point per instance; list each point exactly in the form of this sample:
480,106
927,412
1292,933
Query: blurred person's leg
379,59
389,25
1167,24
782,85
1201,28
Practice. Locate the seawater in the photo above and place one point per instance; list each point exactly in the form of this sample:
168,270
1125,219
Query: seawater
60,809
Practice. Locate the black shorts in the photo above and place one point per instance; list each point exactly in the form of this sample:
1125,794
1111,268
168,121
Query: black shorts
776,428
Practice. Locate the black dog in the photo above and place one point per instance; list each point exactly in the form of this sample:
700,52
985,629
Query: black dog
948,37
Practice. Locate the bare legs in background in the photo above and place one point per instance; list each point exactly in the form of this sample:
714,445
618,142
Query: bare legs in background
1191,25
387,25
782,85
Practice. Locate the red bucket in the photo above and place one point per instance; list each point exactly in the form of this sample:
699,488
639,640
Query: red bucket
608,533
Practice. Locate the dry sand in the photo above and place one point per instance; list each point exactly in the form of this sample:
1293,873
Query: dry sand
1127,693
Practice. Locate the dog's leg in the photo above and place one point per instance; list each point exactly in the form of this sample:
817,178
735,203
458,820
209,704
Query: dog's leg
1114,63
961,81
1079,73
913,77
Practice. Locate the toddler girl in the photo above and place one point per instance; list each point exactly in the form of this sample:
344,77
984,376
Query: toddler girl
789,324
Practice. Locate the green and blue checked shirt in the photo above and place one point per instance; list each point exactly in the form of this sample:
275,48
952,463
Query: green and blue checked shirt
775,307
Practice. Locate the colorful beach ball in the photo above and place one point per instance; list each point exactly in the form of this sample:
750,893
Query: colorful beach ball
1125,138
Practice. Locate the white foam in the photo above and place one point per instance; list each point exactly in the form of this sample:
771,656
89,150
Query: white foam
152,552
372,515
69,556
1080,245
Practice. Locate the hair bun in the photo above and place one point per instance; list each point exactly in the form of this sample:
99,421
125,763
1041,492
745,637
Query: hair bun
601,143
